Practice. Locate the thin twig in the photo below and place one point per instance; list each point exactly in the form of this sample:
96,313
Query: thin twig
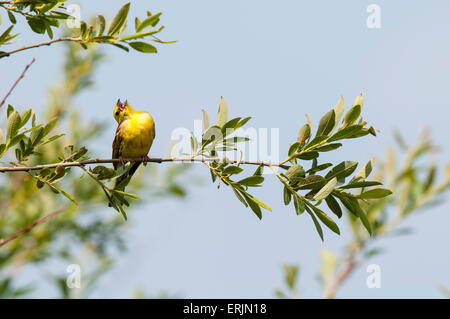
346,270
152,160
17,81
5,54
30,226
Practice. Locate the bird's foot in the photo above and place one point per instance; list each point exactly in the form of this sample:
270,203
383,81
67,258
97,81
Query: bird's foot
145,159
122,161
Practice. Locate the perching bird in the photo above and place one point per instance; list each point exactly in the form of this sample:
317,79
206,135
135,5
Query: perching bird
134,137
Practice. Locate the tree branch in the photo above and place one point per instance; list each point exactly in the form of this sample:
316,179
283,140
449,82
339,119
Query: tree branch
30,226
346,270
17,81
5,54
151,160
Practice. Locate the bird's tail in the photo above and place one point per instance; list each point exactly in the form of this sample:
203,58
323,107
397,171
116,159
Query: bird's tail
130,173
120,179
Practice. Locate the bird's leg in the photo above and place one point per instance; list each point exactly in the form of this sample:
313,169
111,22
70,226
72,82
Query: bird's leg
145,158
122,161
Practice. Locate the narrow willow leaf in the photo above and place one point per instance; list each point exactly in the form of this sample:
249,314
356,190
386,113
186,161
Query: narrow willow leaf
13,125
428,182
242,122
348,132
67,195
149,21
121,46
205,120
143,47
287,195
307,155
326,123
363,173
312,182
259,170
229,126
326,190
375,193
328,147
119,20
359,100
50,125
101,24
25,116
334,206
239,196
294,172
316,223
231,170
351,116
361,214
316,141
5,34
11,17
342,170
293,148
253,205
299,205
318,168
36,136
326,219
303,134
260,203
222,113
135,196
309,120
16,139
338,111
9,110
251,181
360,184
213,133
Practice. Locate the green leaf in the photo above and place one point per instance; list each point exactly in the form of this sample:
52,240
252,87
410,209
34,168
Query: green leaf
316,223
222,114
229,127
143,47
120,46
251,181
294,148
239,196
360,213
375,193
13,125
83,28
326,190
316,141
312,182
319,168
338,111
334,206
348,132
294,172
328,147
342,170
9,110
205,120
359,100
363,173
5,34
37,25
303,134
259,170
11,17
232,169
326,219
135,196
213,133
351,116
326,123
25,116
50,125
16,139
253,205
360,184
119,20
101,24
299,205
287,195
307,155
149,21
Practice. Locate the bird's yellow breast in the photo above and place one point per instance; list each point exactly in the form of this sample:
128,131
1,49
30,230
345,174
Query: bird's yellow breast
137,132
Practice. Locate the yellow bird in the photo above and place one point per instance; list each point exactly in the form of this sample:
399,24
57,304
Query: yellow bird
134,136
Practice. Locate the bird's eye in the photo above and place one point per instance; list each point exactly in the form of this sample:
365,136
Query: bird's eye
117,113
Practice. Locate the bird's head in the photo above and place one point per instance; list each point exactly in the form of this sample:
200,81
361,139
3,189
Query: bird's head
121,111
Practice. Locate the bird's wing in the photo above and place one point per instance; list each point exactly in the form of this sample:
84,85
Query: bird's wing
117,145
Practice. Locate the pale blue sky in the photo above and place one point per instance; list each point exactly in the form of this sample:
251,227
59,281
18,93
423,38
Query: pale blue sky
274,61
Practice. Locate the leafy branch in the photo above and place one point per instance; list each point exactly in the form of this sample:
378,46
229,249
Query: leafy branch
41,16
